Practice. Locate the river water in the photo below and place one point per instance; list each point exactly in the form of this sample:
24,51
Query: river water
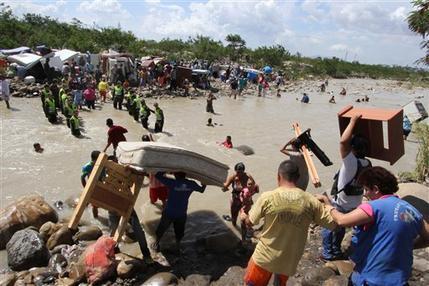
264,124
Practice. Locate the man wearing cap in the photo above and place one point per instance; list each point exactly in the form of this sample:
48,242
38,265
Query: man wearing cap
287,212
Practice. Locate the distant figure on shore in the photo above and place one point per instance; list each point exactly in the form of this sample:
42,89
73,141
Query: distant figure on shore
38,148
278,93
366,98
210,123
322,87
209,106
343,91
406,126
326,82
159,114
332,100
305,98
227,143
358,100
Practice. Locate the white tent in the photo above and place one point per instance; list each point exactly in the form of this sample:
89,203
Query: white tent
26,59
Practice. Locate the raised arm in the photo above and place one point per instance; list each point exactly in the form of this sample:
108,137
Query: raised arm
228,182
346,137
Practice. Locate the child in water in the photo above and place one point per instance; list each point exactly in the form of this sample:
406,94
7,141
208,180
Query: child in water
247,202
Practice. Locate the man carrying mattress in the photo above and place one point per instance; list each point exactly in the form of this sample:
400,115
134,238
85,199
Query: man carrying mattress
180,189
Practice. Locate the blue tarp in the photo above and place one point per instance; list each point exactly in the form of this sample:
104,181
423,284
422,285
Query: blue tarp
267,69
15,51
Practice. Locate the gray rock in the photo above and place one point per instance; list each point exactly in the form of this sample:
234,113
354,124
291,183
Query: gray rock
7,279
47,229
316,276
196,280
161,279
245,150
26,249
57,263
337,281
87,233
62,236
27,211
421,264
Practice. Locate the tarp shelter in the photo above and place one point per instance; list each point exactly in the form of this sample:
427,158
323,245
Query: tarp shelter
148,63
267,69
415,111
252,73
62,56
26,60
15,51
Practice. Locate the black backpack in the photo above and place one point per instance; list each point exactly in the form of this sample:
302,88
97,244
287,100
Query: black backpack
352,188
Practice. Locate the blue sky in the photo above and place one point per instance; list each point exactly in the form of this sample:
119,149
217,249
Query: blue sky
368,31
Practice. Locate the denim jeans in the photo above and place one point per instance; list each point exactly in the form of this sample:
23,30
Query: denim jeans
331,240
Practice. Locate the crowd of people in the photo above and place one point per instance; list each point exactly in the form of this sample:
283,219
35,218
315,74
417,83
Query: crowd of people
386,228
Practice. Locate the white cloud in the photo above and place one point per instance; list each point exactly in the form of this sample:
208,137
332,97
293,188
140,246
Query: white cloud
103,10
22,7
338,47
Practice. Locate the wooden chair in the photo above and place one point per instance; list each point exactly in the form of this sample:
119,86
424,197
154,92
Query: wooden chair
110,186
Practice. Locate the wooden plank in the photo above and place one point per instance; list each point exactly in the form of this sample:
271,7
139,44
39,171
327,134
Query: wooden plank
308,160
87,192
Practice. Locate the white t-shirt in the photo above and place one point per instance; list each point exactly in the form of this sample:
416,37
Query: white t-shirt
347,173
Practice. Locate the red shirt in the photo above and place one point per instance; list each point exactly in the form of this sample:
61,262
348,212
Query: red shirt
116,135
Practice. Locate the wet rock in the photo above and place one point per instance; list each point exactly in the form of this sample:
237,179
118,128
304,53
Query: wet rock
62,236
128,266
57,263
76,271
342,267
7,279
65,281
337,281
47,229
316,276
57,249
221,242
87,233
245,150
72,201
27,211
196,280
161,279
26,249
232,277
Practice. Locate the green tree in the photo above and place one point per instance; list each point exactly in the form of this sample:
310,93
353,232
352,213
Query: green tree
236,45
418,22
273,56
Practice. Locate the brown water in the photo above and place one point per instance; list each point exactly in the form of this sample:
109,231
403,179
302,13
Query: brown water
261,123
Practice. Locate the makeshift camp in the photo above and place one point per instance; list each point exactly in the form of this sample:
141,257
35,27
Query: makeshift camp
123,61
156,156
415,111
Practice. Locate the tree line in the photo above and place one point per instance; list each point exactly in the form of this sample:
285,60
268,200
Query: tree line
32,30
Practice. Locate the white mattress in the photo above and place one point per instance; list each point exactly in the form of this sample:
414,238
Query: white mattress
156,156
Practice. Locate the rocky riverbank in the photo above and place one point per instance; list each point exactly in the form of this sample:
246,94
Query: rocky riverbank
42,250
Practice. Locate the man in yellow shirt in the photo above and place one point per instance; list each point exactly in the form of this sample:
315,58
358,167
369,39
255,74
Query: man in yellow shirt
102,88
287,212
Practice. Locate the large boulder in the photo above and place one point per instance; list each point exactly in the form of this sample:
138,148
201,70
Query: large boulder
417,195
62,236
87,233
26,249
7,279
27,211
